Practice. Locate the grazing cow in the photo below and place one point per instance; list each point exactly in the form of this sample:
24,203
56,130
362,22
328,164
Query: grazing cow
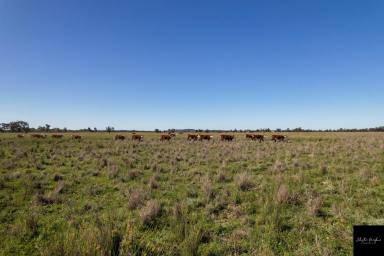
57,136
226,137
76,136
119,137
249,136
20,136
137,137
39,136
277,137
258,137
193,137
164,137
205,137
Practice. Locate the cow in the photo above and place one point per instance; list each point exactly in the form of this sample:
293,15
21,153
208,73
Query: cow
119,137
277,137
226,137
258,137
205,137
137,137
57,136
193,137
20,136
39,136
76,136
164,137
249,136
172,134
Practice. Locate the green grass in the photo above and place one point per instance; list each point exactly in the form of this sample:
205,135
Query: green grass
99,196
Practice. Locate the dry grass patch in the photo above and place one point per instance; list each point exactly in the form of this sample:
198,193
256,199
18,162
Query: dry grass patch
150,212
244,181
314,204
282,195
136,198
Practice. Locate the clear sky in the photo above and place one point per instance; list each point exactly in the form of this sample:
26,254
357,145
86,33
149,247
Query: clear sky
149,64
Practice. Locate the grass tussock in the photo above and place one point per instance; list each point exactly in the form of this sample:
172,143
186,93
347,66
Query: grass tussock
150,212
244,181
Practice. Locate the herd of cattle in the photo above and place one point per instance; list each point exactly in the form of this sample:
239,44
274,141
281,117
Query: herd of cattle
169,136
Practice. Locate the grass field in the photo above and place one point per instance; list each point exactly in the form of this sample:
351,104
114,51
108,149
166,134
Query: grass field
99,196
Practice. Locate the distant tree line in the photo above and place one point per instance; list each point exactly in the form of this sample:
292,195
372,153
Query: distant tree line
23,126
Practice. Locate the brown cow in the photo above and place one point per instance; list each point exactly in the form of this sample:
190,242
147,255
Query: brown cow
39,136
119,137
249,136
76,136
226,137
57,136
137,137
193,137
277,137
258,137
20,136
164,137
205,137
172,134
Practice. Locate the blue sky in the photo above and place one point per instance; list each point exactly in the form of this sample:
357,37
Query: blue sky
192,64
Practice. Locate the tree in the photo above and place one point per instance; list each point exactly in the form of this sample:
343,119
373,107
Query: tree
15,126
157,130
47,127
4,127
94,129
109,129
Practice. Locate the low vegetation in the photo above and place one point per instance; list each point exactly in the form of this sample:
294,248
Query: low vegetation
100,196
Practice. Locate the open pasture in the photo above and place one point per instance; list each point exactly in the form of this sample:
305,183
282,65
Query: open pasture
101,196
